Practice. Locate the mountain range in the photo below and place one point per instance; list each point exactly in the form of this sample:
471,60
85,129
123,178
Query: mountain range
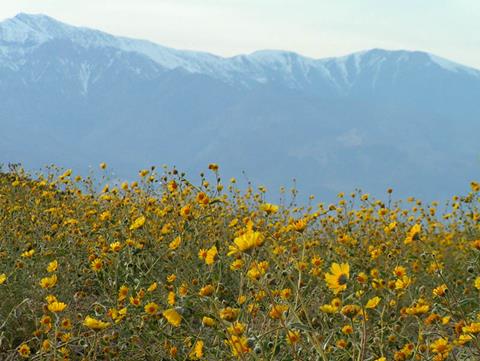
375,119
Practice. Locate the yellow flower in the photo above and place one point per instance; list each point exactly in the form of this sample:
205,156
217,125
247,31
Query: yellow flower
347,329
237,264
51,298
3,278
337,279
441,346
206,290
48,282
413,234
373,302
213,166
351,311
186,211
202,254
137,223
473,328
183,290
328,308
418,308
171,298
269,208
211,255
237,328
293,337
175,243
463,339
400,271
96,265
151,308
208,321
477,283
440,291
475,186
46,345
122,293
299,225
95,324
118,315
197,352
172,316
172,186
52,266
24,350
229,314
152,287
245,242
362,277
28,254
66,323
276,311
135,301
105,216
403,283
202,199
56,306
238,345
115,246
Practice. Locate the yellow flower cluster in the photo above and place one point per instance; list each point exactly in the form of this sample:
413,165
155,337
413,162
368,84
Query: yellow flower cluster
161,269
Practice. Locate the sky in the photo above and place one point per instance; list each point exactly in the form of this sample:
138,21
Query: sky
315,28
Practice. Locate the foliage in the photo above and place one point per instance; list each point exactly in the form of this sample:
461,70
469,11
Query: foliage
163,269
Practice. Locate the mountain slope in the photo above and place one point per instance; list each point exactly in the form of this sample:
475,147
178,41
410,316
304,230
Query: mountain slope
373,119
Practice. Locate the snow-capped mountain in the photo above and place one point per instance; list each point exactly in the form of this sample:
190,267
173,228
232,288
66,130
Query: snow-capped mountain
373,119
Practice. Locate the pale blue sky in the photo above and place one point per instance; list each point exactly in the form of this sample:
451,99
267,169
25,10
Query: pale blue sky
317,28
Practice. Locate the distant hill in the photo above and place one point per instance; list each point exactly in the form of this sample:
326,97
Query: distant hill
76,96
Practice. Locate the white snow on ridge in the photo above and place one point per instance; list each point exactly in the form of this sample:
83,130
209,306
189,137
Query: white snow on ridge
454,67
24,32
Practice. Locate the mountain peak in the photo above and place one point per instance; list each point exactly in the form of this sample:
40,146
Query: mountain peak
34,18
32,29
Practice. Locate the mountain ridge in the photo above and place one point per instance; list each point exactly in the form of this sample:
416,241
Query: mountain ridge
373,119
41,28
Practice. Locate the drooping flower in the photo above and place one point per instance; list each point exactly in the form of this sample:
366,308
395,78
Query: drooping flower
440,291
172,316
52,266
246,241
197,352
48,282
137,223
211,255
373,302
413,234
95,324
56,306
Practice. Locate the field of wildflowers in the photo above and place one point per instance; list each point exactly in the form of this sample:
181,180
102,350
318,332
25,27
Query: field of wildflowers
162,269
